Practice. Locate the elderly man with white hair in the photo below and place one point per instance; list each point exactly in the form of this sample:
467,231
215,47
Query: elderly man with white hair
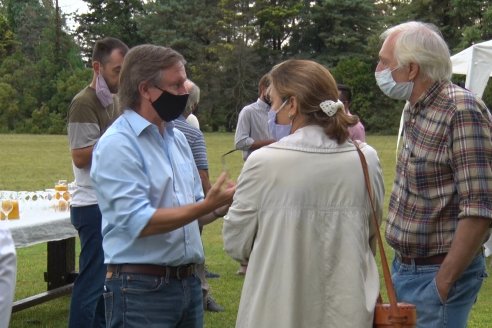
192,104
440,208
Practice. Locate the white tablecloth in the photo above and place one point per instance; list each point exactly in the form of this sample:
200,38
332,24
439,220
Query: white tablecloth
40,223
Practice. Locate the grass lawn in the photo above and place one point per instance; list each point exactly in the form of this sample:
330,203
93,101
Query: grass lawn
32,162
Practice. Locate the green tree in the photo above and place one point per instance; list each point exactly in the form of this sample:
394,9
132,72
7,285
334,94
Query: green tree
378,113
115,18
34,68
7,38
9,107
20,73
28,19
276,21
235,85
460,21
189,27
334,29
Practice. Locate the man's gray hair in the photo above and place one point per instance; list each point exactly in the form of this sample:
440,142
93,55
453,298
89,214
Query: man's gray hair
193,98
423,44
144,63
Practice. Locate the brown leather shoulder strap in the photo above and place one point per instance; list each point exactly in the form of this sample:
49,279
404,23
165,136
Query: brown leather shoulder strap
384,263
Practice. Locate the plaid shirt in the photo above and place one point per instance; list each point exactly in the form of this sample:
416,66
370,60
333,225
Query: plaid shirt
443,172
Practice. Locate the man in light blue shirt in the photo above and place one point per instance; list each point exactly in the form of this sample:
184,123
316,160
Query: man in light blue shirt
150,196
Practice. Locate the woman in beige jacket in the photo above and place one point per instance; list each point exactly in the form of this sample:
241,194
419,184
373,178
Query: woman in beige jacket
301,213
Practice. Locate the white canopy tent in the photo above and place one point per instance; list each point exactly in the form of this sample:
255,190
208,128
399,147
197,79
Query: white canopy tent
476,63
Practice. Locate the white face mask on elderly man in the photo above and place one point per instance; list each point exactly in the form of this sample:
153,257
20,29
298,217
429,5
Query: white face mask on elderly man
391,88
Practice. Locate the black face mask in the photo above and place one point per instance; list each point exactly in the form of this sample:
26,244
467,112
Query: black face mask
170,106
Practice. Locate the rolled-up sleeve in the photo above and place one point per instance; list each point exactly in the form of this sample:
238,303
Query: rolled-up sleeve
471,161
242,139
122,185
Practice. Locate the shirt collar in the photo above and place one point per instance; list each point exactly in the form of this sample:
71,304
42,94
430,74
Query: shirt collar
138,123
428,97
263,105
312,138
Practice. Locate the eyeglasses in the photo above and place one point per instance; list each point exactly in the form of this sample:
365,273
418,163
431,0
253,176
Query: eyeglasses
155,86
225,168
172,93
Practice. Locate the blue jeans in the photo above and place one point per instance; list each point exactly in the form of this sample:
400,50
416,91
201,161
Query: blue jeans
137,300
417,285
87,305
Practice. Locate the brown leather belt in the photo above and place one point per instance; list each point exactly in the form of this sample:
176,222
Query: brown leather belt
431,260
177,272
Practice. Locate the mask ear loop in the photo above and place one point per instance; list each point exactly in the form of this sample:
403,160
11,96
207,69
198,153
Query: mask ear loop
400,132
281,107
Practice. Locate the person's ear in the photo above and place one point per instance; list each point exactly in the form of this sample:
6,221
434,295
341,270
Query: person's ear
144,90
292,107
413,71
96,66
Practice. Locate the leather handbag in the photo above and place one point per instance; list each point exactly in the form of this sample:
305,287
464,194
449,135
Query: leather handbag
394,314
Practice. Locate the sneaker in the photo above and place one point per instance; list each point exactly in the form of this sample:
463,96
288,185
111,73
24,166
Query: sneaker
209,274
212,306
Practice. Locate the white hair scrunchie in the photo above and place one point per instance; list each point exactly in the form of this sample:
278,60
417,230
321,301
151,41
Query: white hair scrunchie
329,107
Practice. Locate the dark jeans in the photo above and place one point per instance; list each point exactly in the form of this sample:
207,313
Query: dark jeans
87,305
138,300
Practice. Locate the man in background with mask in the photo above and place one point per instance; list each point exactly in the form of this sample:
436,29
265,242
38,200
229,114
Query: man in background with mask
440,209
252,130
252,125
150,195
91,112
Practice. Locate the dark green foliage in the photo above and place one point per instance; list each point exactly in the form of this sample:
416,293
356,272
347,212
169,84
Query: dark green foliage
115,18
7,38
379,114
36,56
228,44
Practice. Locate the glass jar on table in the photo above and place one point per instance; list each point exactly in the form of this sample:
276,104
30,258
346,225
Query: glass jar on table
62,196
